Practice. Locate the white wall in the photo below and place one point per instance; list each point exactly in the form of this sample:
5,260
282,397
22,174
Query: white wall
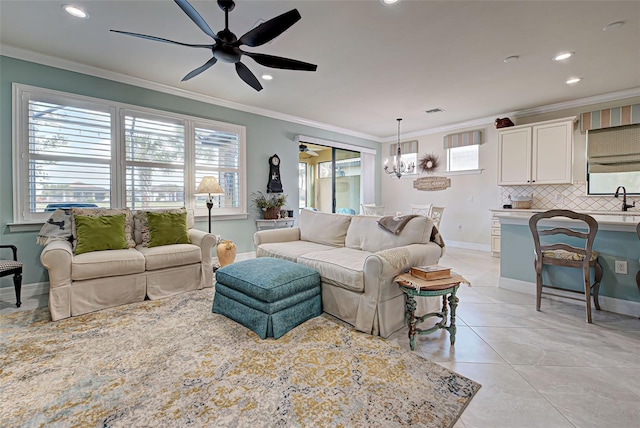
464,223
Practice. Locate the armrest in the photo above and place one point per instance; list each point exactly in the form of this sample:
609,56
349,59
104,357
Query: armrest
276,235
206,241
56,257
381,267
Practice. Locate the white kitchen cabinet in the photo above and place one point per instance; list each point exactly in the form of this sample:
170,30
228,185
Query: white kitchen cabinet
537,153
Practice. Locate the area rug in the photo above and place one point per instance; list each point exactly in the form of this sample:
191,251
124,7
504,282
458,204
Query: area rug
173,363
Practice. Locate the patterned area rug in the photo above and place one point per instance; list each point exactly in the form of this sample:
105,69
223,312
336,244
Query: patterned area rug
173,363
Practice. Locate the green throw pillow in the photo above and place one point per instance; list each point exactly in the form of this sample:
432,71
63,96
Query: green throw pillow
100,233
167,228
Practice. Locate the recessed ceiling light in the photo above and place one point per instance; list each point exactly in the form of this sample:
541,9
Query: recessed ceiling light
562,56
613,26
573,80
267,77
511,58
75,11
389,2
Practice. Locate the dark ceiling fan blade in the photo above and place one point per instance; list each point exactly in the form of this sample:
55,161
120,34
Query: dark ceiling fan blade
196,18
279,62
246,75
159,39
200,69
269,30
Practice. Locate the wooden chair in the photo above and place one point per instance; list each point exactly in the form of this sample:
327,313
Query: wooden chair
559,252
436,215
371,209
421,209
13,267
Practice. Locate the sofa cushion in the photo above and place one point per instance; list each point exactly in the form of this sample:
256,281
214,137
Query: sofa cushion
100,233
365,234
167,228
100,264
289,250
166,256
323,228
141,223
99,212
342,267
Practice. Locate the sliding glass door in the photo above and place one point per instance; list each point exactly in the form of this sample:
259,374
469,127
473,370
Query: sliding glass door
331,180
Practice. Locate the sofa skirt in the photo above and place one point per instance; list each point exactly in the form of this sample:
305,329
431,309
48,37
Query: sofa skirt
167,282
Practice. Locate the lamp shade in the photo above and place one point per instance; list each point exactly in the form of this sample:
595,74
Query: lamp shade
210,186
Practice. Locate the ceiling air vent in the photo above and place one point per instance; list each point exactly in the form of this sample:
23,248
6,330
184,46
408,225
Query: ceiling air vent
434,110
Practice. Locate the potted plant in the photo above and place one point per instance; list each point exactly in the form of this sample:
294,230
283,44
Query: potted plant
269,204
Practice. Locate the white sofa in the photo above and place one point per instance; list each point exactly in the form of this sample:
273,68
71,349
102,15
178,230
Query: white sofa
91,281
357,261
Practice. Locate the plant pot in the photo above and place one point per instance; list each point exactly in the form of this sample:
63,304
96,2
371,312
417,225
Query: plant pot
271,213
226,252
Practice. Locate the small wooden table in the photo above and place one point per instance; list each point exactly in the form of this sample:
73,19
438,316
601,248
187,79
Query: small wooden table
412,286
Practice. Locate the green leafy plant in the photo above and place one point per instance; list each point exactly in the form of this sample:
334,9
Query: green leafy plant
270,200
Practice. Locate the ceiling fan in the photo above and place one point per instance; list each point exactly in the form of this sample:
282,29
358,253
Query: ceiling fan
227,46
307,150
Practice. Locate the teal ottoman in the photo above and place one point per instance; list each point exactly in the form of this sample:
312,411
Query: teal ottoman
267,295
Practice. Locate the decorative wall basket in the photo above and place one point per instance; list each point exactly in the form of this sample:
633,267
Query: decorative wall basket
271,213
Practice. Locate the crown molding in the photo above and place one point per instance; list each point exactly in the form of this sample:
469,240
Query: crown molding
43,59
39,58
581,102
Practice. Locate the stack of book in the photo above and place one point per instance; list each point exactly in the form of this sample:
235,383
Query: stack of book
429,273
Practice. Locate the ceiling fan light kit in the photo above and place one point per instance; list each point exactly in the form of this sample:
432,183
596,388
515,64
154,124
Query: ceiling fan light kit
226,46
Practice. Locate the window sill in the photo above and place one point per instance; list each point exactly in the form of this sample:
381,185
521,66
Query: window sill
25,227
465,172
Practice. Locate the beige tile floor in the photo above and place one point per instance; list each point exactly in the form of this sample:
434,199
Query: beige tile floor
537,369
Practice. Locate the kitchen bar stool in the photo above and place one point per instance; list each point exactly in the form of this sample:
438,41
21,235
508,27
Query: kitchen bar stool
553,251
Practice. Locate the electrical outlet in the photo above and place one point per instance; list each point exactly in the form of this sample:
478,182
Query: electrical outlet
558,199
470,200
621,267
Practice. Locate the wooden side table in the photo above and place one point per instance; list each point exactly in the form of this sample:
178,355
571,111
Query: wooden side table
446,288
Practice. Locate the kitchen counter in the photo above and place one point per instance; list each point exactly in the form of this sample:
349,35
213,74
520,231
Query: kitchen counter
607,220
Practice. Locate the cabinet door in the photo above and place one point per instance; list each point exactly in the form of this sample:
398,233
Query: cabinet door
514,156
552,153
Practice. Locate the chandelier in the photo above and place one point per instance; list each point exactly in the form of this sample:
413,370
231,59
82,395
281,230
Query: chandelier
399,167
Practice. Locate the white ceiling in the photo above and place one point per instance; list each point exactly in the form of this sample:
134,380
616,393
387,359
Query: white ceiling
375,63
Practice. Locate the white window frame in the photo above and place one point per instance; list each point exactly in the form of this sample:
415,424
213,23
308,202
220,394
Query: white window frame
20,149
473,170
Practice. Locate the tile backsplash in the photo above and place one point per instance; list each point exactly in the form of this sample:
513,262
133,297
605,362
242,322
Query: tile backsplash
568,196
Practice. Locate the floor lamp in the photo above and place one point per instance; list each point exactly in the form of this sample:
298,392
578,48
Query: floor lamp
209,186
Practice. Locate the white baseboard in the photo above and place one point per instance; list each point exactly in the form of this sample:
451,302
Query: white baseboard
8,294
239,257
468,245
610,304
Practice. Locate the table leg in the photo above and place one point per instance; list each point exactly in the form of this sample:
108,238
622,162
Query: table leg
411,320
453,302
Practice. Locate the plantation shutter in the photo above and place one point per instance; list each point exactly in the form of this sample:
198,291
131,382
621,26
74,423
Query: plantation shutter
155,158
65,142
614,149
217,153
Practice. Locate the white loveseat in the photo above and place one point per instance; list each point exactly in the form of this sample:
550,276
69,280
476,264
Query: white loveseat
357,261
96,280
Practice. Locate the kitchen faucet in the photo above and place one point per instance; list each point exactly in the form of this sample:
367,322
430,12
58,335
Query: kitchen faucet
624,198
